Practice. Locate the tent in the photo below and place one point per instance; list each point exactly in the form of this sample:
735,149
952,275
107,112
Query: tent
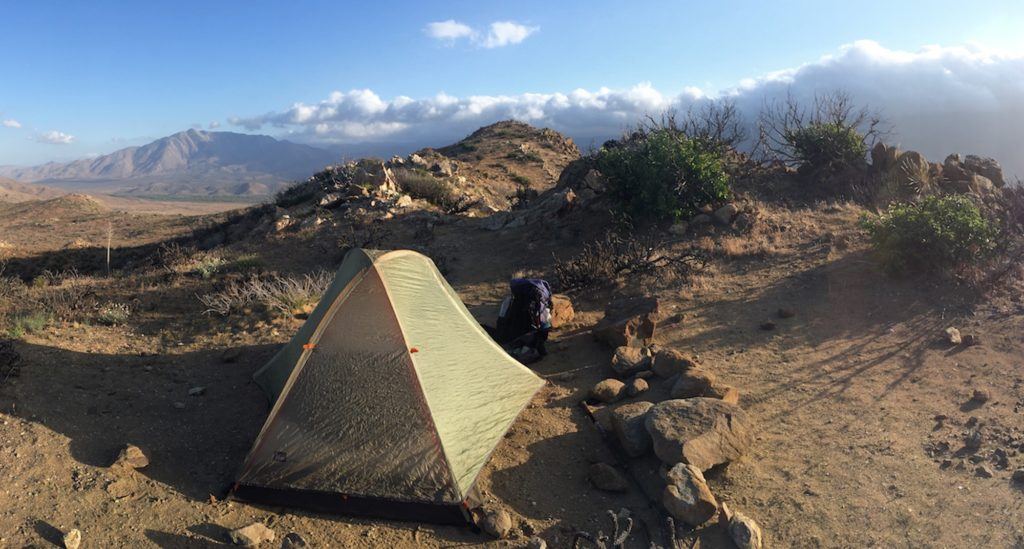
387,402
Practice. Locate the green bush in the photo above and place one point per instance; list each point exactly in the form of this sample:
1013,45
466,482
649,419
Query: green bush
113,314
27,323
437,191
825,149
660,174
946,233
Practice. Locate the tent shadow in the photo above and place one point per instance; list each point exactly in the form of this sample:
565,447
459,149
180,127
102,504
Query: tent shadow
102,402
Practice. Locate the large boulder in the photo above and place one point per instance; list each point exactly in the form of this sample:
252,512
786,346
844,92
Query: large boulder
629,322
687,496
562,311
670,362
911,173
698,382
628,360
703,432
985,167
883,157
629,428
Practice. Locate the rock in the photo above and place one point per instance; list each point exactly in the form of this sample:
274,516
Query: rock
629,360
636,386
981,396
703,432
607,478
251,535
980,185
496,523
629,322
767,325
330,200
293,541
784,312
670,362
418,161
595,181
282,224
403,201
744,222
687,496
1018,475
630,429
745,533
698,382
883,157
985,167
983,471
678,229
179,405
73,539
132,457
700,220
974,439
562,311
971,340
197,391
911,173
536,542
725,214
231,355
952,335
608,391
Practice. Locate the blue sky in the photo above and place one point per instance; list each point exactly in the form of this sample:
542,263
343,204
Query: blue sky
113,74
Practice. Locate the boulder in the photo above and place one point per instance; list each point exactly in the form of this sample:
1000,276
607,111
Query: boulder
251,535
883,157
496,523
132,457
403,201
700,220
629,322
670,362
703,432
629,360
636,386
629,427
72,539
911,171
562,311
678,229
985,167
980,185
725,214
536,542
698,382
687,496
607,478
595,181
745,533
608,391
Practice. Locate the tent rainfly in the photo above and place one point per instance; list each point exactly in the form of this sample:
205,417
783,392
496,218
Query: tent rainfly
387,402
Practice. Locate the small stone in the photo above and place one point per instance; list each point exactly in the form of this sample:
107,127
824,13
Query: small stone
179,405
687,496
608,391
981,396
231,355
767,325
670,362
496,523
1018,475
971,340
952,335
197,391
73,539
983,471
131,456
973,439
293,541
745,533
636,386
629,360
536,542
784,312
607,478
251,535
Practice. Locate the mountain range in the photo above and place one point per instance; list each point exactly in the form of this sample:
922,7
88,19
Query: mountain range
190,163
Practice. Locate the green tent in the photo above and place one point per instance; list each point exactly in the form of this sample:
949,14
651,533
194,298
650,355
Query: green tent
388,401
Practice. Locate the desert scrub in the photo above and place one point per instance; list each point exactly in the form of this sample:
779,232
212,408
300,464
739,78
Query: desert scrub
288,295
113,314
27,322
660,174
602,261
939,233
439,192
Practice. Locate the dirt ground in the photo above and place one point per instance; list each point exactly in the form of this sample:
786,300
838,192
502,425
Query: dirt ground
845,395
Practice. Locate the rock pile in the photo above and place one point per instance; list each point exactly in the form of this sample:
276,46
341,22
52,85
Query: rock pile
908,173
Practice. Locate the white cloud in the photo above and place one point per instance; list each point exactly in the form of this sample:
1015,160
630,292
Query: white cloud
10,123
213,125
938,99
504,33
55,138
449,30
499,33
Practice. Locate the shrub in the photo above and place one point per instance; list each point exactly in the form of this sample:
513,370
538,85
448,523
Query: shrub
439,192
29,322
113,314
659,174
602,261
297,194
287,295
945,233
827,148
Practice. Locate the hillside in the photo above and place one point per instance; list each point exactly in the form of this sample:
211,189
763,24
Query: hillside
192,162
14,191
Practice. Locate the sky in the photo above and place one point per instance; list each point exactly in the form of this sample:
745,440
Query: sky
78,79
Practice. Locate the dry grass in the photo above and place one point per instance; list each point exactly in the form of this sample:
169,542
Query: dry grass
286,295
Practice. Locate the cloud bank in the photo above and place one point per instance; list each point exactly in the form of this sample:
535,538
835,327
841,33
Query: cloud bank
55,138
10,123
499,33
938,100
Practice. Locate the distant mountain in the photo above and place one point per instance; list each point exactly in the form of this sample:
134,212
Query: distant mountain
192,162
14,191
